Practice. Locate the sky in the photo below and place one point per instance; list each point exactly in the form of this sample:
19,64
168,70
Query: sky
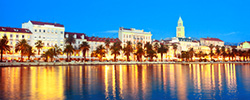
224,19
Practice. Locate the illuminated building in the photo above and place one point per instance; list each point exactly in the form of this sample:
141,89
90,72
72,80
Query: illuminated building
183,43
245,45
94,42
180,30
51,34
134,36
79,38
14,35
207,41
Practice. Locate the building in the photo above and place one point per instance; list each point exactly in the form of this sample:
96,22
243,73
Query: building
79,38
180,30
14,35
214,41
134,35
244,45
94,42
50,33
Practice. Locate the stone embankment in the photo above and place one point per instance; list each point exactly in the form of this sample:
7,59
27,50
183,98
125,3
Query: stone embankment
16,64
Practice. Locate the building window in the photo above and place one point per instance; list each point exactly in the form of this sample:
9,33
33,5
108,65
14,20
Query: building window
35,36
10,35
35,30
52,31
4,34
16,36
39,36
61,44
61,32
43,37
11,43
44,31
48,31
39,30
23,36
56,31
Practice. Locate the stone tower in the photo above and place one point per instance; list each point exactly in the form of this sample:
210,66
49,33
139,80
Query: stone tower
180,31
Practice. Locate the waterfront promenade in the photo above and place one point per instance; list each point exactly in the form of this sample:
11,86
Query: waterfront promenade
15,64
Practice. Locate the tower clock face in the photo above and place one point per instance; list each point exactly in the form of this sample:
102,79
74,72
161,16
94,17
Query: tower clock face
179,29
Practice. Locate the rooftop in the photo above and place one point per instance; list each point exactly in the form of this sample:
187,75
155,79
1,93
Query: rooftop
99,39
17,30
78,35
211,39
46,23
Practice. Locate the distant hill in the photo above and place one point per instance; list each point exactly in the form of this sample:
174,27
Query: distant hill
231,44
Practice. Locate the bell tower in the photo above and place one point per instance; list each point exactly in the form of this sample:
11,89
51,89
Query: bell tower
180,32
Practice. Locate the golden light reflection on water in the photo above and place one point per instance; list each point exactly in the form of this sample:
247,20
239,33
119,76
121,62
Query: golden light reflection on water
121,81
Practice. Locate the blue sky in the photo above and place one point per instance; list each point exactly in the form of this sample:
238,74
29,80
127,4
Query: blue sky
227,20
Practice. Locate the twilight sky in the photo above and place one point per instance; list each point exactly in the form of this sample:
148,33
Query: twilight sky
227,20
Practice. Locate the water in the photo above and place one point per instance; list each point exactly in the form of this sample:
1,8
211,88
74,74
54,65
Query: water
158,81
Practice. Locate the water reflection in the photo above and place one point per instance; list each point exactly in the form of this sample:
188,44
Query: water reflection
176,81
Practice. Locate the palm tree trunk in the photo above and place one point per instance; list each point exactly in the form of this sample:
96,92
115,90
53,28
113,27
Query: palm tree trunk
115,57
67,57
161,56
84,55
128,58
1,55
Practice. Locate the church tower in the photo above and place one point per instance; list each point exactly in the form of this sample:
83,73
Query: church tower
180,32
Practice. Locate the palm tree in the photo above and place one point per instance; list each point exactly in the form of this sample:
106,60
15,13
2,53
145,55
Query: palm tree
100,51
21,46
3,45
175,48
223,50
211,46
191,53
39,46
57,50
156,46
28,51
84,47
234,52
162,50
107,43
128,49
217,51
149,51
115,49
68,49
70,39
140,52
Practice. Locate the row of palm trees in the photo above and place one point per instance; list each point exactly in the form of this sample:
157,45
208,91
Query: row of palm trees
148,50
230,53
22,46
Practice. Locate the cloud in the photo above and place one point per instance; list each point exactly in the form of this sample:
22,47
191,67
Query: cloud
231,33
111,31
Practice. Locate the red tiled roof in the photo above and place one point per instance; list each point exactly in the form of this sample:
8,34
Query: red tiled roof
212,39
98,39
156,41
16,30
46,23
78,35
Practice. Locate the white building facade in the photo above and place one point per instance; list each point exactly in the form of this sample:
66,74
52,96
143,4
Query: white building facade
134,36
50,34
